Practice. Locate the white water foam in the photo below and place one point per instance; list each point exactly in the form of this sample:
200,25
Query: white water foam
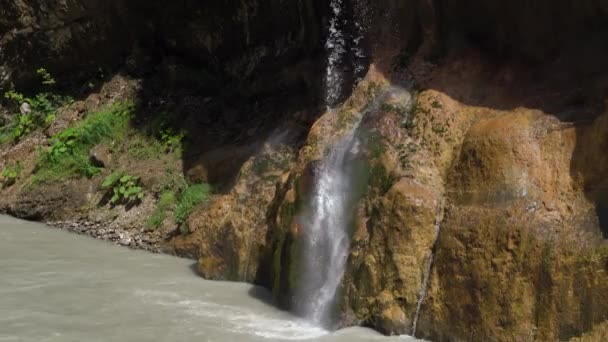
240,320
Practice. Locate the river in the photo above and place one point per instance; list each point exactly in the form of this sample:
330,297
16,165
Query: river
59,286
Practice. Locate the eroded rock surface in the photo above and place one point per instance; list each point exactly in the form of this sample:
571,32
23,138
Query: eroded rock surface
484,137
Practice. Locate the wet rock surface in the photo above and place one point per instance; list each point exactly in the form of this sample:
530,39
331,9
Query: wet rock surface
483,185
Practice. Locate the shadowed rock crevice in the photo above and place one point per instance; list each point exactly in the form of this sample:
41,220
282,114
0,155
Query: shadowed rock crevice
602,215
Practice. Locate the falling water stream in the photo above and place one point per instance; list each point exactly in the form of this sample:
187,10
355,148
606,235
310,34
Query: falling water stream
336,48
425,282
326,241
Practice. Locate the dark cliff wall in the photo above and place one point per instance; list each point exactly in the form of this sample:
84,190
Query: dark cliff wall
239,37
532,29
68,37
73,38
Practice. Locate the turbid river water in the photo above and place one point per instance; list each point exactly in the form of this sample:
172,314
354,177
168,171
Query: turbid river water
58,286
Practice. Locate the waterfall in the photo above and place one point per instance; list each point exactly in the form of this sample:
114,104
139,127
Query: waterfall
336,47
345,47
425,281
325,241
360,28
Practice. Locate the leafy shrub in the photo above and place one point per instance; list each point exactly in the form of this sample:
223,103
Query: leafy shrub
124,188
189,198
42,109
171,139
69,153
165,203
10,174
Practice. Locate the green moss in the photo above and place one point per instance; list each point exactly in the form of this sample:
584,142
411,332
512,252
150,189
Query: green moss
381,179
376,146
372,91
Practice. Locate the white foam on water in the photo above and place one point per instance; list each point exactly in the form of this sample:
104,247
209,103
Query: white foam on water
238,319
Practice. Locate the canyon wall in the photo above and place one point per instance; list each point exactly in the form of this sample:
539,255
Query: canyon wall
482,211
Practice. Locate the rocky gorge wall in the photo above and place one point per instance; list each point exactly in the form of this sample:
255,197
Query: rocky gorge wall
485,148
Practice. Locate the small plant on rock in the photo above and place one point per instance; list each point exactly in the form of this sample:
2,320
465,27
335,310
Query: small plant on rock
165,203
10,174
188,199
124,188
64,143
33,111
171,139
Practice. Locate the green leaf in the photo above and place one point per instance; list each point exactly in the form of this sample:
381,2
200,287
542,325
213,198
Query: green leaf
109,181
115,198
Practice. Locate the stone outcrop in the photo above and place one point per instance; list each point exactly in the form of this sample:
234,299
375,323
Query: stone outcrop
481,212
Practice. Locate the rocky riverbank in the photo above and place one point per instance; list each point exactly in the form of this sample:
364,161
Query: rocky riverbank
482,187
120,236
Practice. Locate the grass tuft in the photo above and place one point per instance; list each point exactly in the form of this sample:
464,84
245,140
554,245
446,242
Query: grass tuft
189,198
165,203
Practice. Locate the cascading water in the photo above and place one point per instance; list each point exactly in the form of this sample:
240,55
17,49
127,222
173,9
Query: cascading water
326,240
325,243
425,281
345,48
336,46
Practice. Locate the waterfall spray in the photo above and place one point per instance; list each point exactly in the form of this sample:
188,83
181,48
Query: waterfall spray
336,47
325,241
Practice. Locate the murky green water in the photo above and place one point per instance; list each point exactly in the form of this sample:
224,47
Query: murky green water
57,286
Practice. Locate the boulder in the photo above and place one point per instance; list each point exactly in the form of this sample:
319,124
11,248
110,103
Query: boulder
100,156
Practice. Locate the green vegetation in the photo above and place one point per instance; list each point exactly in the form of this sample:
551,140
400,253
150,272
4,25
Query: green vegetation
381,179
167,140
171,139
161,138
372,91
401,111
124,188
189,198
439,129
10,174
376,146
166,202
405,152
142,147
69,154
39,110
418,113
180,197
